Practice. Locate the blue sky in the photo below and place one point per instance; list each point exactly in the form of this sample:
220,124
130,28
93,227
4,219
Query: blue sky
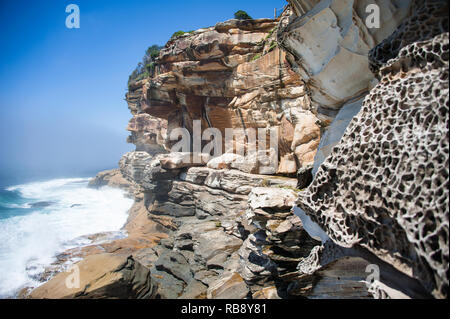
62,108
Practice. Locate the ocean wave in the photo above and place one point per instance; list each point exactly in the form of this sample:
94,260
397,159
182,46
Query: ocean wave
31,241
16,205
36,189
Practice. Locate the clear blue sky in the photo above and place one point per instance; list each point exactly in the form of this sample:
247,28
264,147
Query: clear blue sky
62,108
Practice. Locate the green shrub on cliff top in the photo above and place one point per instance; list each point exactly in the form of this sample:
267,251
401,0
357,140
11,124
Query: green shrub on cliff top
153,51
242,15
179,33
147,66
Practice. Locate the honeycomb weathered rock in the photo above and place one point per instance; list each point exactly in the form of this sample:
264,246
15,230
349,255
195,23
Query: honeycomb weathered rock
429,20
385,185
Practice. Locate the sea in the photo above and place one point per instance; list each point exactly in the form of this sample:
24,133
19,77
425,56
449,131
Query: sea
40,219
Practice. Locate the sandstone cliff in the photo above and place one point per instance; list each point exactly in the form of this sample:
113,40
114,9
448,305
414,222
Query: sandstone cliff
361,119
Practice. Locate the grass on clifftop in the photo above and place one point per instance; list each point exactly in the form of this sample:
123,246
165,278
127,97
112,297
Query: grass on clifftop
180,33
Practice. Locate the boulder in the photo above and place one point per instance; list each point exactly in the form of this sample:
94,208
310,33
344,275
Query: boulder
175,264
194,290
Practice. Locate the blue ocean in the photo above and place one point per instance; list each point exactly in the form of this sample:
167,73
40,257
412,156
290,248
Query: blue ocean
40,219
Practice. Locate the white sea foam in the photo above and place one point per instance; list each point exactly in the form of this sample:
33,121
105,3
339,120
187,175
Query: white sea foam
17,205
30,242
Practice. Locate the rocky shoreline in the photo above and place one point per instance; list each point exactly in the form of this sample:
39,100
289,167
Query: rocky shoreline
361,180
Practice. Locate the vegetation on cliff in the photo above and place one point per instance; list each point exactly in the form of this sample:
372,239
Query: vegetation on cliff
180,33
147,66
242,15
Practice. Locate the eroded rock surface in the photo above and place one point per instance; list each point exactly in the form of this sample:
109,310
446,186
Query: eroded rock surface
101,276
328,43
385,185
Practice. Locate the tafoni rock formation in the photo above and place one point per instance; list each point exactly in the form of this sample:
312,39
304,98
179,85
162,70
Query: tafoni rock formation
349,201
384,187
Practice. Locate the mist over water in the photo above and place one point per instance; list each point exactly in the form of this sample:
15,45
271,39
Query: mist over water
41,219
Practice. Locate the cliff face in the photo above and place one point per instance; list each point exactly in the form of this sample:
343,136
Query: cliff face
232,75
231,232
298,75
363,110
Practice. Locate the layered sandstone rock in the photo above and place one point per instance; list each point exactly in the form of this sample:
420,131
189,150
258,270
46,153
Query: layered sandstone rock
231,234
384,188
243,82
112,178
233,76
100,276
148,133
269,255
